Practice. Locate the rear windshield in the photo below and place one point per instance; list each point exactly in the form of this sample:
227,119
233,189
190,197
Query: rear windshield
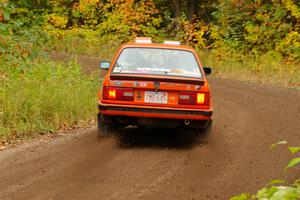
156,61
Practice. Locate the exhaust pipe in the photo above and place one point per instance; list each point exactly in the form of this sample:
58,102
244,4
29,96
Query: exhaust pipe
187,122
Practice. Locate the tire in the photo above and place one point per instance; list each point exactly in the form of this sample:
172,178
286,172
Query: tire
204,128
208,127
105,129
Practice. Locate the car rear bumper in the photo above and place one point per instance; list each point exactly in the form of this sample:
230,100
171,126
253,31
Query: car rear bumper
152,112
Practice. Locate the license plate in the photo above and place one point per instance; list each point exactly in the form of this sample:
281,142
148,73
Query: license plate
156,97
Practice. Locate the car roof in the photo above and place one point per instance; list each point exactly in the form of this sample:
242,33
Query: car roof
156,45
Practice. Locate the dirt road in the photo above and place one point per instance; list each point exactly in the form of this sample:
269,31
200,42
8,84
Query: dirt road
161,164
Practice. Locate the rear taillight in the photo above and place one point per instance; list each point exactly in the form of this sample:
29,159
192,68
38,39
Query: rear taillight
200,98
112,94
118,93
193,98
186,97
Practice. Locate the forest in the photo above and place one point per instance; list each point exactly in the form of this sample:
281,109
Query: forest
228,28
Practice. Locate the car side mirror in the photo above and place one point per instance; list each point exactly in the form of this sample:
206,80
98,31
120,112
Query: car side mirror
104,65
207,70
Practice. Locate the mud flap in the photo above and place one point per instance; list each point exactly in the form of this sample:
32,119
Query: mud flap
105,128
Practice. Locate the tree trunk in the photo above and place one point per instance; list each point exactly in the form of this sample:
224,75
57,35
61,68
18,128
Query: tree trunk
192,8
177,8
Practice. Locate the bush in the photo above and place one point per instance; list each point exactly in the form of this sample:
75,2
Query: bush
45,98
95,23
37,95
258,27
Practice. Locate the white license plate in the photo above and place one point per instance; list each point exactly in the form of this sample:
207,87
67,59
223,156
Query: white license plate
156,97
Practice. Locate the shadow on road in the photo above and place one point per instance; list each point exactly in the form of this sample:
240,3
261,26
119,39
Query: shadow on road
160,138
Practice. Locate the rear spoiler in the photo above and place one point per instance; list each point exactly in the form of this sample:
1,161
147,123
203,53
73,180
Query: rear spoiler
146,77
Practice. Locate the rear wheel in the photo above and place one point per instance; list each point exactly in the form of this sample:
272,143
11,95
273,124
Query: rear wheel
203,127
105,128
208,127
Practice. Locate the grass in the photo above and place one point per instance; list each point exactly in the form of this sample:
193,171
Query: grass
45,98
265,69
84,43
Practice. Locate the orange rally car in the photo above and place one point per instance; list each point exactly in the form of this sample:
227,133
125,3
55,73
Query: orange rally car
154,85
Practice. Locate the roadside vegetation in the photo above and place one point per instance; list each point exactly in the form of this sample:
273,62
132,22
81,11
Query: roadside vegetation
38,95
278,189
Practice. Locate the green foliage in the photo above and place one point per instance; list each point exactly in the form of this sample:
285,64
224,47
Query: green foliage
37,95
232,29
294,150
241,197
274,192
293,162
259,27
276,182
45,98
110,23
278,143
127,19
